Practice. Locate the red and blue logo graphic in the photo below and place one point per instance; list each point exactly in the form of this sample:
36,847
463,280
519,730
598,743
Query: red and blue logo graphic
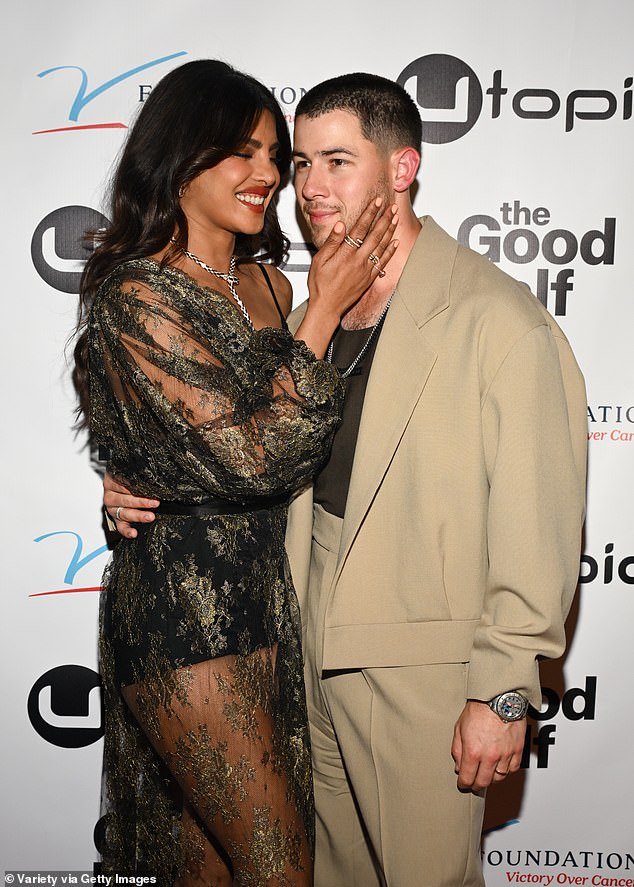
77,561
83,96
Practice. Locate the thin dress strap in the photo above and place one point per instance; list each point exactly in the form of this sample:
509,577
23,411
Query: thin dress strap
277,304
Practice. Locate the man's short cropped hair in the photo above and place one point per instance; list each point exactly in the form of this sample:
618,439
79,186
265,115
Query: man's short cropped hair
387,114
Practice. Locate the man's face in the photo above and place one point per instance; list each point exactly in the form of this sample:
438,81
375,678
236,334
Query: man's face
337,171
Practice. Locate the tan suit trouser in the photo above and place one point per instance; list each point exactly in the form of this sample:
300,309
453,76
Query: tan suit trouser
388,809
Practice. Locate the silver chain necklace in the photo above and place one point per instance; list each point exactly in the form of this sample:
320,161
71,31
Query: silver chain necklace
345,373
231,279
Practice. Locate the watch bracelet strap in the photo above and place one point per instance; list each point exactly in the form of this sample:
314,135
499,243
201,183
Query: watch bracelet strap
493,704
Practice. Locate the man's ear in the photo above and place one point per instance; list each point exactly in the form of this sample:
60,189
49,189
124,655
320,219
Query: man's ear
405,163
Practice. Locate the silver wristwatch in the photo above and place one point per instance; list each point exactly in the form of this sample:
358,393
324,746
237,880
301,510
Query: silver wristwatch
511,706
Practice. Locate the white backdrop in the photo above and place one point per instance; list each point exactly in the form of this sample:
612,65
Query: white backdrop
529,151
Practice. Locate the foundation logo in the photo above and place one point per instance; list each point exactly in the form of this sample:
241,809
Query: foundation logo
619,416
448,94
451,99
589,867
287,97
64,706
59,248
84,95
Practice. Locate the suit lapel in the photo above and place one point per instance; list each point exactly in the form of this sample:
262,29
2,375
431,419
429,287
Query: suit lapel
402,364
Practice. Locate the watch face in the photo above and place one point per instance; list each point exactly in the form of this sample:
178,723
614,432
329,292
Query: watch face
511,706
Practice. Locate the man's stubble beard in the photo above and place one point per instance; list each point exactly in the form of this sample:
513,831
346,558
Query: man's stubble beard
380,189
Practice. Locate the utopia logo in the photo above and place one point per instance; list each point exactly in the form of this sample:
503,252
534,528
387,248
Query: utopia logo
451,99
59,248
448,93
64,706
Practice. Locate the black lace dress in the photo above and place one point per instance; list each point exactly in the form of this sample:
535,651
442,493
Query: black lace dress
199,633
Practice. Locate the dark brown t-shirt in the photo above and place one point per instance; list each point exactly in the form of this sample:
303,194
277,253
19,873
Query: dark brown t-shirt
333,481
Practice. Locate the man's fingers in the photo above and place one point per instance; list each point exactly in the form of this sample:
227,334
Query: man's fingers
501,770
130,515
477,774
126,530
468,773
125,518
456,749
125,509
112,500
116,487
110,484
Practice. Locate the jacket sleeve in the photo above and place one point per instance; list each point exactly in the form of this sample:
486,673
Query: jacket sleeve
535,439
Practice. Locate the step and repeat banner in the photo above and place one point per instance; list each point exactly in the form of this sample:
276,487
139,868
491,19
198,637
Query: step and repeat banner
527,158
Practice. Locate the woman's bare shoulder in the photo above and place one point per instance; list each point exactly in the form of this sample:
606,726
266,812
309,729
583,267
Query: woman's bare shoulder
283,288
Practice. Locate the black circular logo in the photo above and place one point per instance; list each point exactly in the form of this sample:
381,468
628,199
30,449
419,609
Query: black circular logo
65,707
99,834
448,94
59,248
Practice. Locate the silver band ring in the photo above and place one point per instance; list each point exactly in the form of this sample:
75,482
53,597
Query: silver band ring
351,241
117,514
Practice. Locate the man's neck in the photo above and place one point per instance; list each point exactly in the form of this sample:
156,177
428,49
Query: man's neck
365,313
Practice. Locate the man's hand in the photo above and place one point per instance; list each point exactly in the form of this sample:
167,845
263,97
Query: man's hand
124,508
484,748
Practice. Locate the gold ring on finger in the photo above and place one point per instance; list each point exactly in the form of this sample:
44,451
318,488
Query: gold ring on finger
374,259
117,514
351,241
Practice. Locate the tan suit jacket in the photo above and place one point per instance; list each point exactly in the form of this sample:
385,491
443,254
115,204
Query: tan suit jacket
461,536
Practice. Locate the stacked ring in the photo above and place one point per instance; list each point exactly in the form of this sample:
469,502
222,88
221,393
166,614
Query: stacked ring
375,261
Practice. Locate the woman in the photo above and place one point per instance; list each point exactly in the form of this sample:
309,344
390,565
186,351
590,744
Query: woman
203,398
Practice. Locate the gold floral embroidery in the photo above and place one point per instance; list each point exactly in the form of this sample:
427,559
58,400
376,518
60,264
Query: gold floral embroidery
200,637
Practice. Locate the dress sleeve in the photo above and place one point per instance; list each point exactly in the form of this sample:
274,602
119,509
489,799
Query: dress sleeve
192,405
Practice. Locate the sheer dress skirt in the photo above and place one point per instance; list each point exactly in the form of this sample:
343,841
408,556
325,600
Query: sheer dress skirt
206,760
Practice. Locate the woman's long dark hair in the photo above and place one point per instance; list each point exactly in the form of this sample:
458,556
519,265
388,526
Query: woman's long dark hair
196,116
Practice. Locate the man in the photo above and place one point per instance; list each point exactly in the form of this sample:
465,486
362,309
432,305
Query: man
445,527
